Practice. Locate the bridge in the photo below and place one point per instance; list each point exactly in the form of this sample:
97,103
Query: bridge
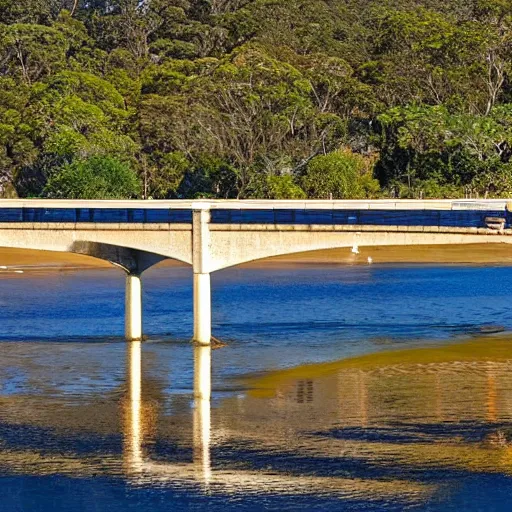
213,235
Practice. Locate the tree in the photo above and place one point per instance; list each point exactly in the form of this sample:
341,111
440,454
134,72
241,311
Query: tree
283,187
31,51
29,11
340,175
237,98
250,109
429,144
18,147
94,178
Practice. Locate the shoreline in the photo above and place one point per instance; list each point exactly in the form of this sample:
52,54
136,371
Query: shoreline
27,260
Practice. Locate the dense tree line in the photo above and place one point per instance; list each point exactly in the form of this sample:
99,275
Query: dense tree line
255,98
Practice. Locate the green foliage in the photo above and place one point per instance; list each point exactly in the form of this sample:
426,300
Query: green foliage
30,52
209,177
495,183
340,175
17,147
430,145
94,178
283,187
236,98
29,11
165,176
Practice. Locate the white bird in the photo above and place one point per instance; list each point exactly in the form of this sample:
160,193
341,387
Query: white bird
355,249
370,260
3,267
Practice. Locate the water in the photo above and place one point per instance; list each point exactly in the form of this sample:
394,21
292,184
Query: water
88,422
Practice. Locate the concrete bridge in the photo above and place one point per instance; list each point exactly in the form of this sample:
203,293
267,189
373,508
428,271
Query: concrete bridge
213,235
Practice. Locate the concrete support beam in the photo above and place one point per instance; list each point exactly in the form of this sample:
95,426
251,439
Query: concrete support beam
202,309
133,308
201,242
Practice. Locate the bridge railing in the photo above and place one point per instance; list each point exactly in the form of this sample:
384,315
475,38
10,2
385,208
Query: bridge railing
442,218
465,218
96,215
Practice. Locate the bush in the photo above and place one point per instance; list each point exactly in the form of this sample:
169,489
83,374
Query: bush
342,174
283,187
97,177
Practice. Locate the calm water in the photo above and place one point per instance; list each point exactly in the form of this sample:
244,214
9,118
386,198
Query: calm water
88,422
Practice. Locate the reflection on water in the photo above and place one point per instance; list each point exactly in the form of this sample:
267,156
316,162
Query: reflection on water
202,409
381,431
414,416
133,434
108,425
139,466
141,469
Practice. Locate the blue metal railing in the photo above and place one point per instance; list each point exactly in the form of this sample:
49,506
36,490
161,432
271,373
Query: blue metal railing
97,215
444,218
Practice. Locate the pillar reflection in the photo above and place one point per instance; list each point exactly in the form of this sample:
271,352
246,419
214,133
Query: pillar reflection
202,411
133,435
492,397
133,307
139,419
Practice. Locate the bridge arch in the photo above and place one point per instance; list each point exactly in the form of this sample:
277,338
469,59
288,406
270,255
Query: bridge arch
110,243
230,249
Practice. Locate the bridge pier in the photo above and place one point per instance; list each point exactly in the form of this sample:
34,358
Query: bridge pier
202,309
201,242
133,308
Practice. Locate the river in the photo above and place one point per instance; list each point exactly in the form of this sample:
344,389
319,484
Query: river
339,387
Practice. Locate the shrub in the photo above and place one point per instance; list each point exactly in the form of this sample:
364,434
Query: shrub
99,177
342,174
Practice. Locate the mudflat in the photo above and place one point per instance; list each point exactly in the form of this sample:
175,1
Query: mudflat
442,254
480,254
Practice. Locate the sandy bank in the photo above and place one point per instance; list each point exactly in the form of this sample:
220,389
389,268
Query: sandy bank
469,254
478,349
446,254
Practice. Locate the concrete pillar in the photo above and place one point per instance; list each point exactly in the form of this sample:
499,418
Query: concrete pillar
133,308
201,268
202,309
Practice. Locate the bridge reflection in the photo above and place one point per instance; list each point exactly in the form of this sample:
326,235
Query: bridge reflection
141,469
377,426
133,435
137,462
202,411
